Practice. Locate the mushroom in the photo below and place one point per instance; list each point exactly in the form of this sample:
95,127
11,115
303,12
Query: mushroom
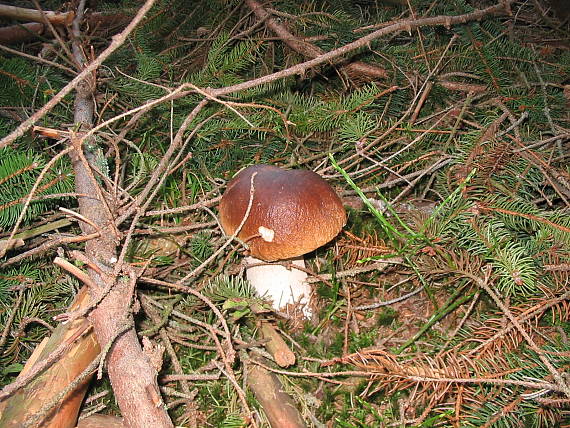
293,212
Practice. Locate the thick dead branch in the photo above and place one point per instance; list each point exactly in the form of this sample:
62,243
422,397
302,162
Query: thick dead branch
23,14
131,373
21,33
278,406
99,24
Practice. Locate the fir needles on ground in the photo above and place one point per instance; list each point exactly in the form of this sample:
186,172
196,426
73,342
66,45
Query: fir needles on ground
443,303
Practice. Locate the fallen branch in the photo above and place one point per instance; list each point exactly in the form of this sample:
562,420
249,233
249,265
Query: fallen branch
100,23
23,14
131,371
13,34
503,7
278,406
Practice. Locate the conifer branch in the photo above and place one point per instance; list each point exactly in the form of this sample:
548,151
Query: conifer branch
503,7
558,378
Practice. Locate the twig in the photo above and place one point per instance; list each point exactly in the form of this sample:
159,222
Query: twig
38,59
432,168
10,319
161,172
189,377
47,245
179,314
539,143
514,125
180,210
29,320
404,25
101,295
373,374
140,109
200,296
126,243
460,323
80,217
75,271
154,230
388,302
147,194
229,105
526,384
525,316
388,184
241,394
532,217
94,397
228,352
379,265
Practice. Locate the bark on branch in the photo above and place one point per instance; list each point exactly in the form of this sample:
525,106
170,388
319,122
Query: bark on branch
26,402
131,373
23,14
98,23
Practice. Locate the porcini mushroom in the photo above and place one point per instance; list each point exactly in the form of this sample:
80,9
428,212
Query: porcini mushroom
293,212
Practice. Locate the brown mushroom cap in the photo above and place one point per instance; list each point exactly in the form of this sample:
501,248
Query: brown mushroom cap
298,206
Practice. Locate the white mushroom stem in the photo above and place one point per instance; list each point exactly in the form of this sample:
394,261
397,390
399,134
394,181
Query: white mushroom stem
282,286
